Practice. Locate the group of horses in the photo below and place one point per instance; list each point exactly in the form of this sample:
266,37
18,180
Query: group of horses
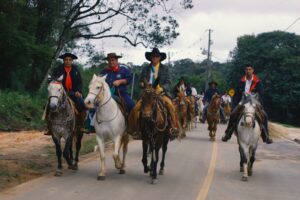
153,122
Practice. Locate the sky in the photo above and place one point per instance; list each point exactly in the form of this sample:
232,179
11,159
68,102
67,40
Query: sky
228,19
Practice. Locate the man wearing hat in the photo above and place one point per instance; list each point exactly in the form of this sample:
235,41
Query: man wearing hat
183,86
157,71
248,84
118,77
209,93
72,83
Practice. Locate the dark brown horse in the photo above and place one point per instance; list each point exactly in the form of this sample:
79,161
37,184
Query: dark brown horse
213,115
154,127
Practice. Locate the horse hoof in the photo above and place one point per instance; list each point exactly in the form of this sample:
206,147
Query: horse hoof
146,170
101,178
154,181
122,171
249,173
58,173
244,178
161,172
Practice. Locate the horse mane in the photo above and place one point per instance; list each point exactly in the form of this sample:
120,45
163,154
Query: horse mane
250,98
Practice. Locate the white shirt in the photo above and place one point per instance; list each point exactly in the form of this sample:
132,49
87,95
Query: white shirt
248,85
194,91
226,98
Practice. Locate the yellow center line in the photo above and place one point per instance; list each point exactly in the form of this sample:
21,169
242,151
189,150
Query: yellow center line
210,174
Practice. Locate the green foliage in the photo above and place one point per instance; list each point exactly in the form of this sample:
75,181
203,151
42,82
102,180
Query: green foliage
20,111
88,146
276,57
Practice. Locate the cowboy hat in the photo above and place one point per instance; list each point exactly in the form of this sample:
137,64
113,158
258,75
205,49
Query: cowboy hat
155,51
111,55
212,82
68,55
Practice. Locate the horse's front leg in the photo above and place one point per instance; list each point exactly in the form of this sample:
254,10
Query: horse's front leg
67,151
244,162
124,144
78,147
154,161
102,172
56,141
250,163
116,156
144,159
164,150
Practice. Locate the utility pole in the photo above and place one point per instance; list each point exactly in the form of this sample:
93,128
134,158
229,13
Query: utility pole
209,64
169,57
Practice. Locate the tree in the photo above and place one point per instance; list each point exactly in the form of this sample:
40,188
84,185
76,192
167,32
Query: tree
276,58
144,22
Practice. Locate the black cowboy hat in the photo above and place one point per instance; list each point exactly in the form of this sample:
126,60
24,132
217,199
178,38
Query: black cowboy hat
212,82
68,55
111,55
155,51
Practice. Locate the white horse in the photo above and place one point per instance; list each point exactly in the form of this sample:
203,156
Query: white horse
109,123
248,132
200,107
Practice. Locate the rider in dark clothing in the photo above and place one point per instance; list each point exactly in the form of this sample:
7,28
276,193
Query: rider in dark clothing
249,83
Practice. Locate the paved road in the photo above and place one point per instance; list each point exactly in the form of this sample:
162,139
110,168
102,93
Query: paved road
196,169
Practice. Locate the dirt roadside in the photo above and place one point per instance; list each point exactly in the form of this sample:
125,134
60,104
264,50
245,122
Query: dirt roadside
27,155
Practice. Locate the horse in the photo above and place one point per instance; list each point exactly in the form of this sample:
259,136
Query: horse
61,119
182,111
109,123
213,115
227,110
191,111
248,132
200,104
154,128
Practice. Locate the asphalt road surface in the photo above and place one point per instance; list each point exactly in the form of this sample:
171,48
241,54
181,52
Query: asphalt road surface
196,169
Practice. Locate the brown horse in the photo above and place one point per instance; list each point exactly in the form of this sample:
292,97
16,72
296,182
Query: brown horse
181,111
213,115
227,110
154,127
191,111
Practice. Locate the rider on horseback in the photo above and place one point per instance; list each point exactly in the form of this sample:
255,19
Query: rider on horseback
118,77
72,83
248,84
157,71
207,99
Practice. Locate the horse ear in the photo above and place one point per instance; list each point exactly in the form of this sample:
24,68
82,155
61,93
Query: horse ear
94,76
104,77
156,82
49,78
59,79
143,83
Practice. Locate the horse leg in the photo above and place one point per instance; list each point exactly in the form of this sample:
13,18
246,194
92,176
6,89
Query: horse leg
164,150
154,161
245,160
56,141
66,153
252,159
124,144
241,159
116,152
102,172
78,147
144,159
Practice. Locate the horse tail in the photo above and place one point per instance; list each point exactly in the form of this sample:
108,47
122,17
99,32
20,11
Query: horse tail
275,130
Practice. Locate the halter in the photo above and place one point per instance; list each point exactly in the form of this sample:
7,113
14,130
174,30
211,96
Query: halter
251,115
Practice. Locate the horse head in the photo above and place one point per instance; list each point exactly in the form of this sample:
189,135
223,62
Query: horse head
249,101
98,89
55,93
181,98
149,97
216,100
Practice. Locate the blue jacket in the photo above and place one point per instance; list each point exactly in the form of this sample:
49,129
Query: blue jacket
123,73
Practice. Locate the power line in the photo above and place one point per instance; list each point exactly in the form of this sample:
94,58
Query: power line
294,22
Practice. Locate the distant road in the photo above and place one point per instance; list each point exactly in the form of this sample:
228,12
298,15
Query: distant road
196,169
